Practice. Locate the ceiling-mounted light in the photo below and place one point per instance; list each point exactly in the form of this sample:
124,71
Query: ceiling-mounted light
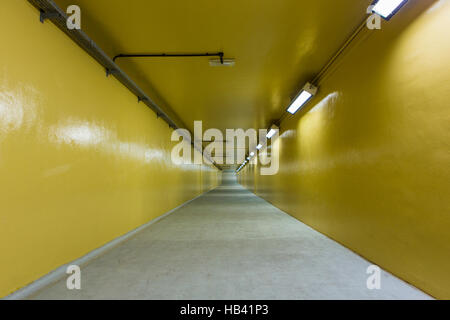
222,63
252,154
272,131
387,8
303,97
259,146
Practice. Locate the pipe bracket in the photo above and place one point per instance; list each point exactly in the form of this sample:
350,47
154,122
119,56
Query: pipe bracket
142,99
47,15
111,71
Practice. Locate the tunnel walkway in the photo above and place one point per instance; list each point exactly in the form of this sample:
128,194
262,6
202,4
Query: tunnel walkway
229,244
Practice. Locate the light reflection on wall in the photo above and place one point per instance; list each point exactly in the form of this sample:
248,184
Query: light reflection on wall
329,99
83,135
86,134
17,109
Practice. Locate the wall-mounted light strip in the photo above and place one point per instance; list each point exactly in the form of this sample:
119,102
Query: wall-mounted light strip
273,129
387,8
303,97
270,134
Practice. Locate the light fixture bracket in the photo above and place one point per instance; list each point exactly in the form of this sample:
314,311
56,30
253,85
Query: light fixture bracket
312,89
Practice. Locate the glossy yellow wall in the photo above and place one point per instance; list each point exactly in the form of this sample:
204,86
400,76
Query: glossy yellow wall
368,162
81,162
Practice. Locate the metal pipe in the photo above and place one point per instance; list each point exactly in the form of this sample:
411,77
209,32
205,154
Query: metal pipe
169,55
344,46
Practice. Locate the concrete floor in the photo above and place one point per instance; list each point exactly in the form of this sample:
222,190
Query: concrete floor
229,244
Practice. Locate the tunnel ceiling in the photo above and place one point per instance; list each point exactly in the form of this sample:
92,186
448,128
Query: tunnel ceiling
278,46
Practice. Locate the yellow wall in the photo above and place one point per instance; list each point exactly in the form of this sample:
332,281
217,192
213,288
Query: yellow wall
368,162
81,162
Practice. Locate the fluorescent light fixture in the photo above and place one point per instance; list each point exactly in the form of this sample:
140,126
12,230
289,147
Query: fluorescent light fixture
304,96
252,154
388,8
223,63
272,131
259,146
